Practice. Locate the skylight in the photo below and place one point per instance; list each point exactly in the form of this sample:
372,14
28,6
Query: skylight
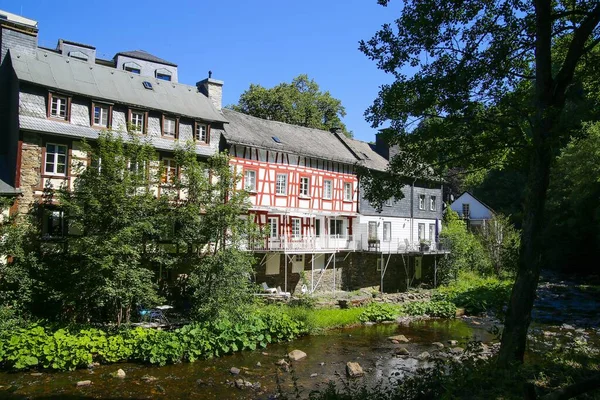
147,85
276,139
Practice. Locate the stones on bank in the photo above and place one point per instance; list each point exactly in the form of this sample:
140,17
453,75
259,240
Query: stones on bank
354,370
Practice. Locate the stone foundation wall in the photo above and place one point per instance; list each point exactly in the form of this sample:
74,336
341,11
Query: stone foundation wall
31,167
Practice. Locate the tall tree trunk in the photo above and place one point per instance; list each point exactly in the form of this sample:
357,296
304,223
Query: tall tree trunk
518,317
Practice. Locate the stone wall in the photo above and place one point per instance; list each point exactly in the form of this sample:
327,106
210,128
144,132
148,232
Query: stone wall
31,167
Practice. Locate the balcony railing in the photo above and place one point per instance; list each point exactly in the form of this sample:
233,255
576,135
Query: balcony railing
304,243
402,246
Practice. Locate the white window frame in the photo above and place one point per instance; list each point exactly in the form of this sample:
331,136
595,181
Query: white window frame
138,125
421,231
347,191
201,132
327,189
296,228
250,180
102,119
387,231
171,123
432,203
432,232
55,107
273,225
281,184
339,231
53,159
372,229
304,186
421,202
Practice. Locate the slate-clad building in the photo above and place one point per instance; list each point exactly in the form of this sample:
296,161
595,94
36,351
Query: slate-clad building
318,230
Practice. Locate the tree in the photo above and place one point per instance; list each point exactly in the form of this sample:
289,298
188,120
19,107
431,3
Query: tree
300,102
487,85
501,241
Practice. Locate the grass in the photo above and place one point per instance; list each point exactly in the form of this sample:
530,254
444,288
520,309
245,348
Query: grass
319,320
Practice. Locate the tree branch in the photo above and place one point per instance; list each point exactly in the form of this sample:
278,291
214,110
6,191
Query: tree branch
574,390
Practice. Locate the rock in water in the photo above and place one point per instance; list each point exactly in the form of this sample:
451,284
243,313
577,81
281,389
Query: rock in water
120,374
438,345
423,356
402,352
399,338
452,342
296,355
354,370
234,371
84,383
149,378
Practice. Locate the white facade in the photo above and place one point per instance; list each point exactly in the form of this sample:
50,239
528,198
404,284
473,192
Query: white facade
468,206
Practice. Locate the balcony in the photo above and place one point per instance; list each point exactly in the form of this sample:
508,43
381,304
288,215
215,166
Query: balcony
399,246
304,244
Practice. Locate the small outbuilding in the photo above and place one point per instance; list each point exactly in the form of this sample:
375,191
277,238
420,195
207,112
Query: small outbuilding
474,211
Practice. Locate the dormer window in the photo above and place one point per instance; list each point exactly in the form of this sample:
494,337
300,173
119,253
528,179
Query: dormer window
78,55
163,74
132,67
201,132
58,106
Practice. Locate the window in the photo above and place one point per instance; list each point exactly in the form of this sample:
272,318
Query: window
169,127
347,191
432,203
299,258
58,108
138,168
147,85
170,170
132,67
304,186
56,159
250,180
317,227
273,228
327,189
466,212
295,227
387,231
335,227
53,224
372,230
421,202
432,232
388,203
276,139
421,231
101,115
136,121
281,184
201,133
163,77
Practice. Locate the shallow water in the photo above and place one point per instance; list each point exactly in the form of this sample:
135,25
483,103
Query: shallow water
327,357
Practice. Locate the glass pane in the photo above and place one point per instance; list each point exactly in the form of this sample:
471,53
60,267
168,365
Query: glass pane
62,149
49,167
60,169
50,148
62,159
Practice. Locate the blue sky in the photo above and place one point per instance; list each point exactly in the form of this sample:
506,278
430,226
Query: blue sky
263,41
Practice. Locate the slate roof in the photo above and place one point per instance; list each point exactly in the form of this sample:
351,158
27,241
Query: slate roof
257,132
77,131
67,74
6,189
144,55
367,156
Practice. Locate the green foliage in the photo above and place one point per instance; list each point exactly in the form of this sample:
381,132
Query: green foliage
439,308
501,242
476,294
379,312
36,347
300,102
318,320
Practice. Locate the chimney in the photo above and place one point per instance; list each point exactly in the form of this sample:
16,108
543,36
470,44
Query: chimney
17,33
381,147
213,89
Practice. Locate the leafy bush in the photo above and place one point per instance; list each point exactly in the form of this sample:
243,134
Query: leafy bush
476,294
378,312
443,309
64,350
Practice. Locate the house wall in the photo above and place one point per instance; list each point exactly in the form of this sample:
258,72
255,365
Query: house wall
402,207
19,40
477,209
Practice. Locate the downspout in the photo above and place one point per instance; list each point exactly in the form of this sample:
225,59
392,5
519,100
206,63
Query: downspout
412,210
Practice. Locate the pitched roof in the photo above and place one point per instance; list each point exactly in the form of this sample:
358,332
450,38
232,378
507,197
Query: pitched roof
367,156
144,55
475,198
99,82
257,132
6,189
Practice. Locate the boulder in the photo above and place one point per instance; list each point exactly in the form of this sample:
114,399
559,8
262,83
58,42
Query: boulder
452,342
314,375
296,355
258,364
84,383
423,356
402,351
457,350
438,345
149,378
234,371
459,312
240,384
282,363
120,374
399,338
354,370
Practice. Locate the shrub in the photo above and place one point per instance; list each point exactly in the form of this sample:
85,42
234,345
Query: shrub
442,309
378,312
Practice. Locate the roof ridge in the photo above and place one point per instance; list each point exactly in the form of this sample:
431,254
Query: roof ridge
276,122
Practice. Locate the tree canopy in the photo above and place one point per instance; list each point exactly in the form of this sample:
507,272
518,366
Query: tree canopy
300,102
481,82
